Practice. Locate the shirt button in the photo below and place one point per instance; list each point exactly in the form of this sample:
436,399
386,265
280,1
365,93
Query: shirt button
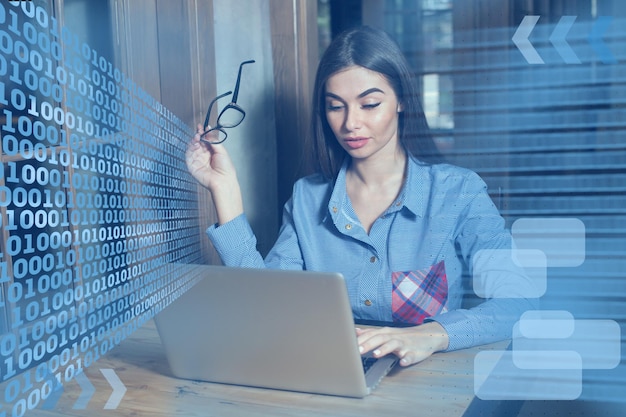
373,259
335,210
399,203
368,303
348,226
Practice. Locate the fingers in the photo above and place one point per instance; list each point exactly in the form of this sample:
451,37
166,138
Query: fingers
196,137
381,341
207,136
194,144
198,140
405,343
410,358
195,150
201,144
392,345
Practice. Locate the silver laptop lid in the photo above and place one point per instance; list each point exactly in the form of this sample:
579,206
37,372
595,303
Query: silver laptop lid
290,330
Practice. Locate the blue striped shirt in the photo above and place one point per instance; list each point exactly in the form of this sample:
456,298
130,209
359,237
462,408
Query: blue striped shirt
442,213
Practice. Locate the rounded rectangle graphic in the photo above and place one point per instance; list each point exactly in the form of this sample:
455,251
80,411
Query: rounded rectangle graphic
547,359
497,378
561,239
505,273
544,324
598,342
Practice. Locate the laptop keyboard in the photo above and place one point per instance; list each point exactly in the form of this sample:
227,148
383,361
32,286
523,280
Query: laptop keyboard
368,362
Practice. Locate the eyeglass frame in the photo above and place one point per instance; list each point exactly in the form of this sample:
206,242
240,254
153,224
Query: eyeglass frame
232,105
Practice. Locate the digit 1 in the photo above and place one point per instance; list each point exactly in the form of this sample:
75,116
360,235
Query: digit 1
3,98
13,26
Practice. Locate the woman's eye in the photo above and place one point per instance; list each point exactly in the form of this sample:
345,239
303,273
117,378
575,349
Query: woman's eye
336,107
371,105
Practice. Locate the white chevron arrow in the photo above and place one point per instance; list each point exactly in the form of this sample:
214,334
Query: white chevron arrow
520,39
559,41
119,389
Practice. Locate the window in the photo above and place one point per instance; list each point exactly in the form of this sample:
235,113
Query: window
547,137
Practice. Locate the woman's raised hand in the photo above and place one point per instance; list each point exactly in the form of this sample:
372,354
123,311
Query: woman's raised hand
212,167
209,164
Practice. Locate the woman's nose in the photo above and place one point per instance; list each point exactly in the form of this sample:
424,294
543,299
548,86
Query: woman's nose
353,119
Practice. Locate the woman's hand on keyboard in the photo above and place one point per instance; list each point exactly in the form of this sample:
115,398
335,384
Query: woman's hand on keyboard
410,344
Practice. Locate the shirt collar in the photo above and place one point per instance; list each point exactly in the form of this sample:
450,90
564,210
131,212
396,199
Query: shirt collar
339,194
416,186
412,195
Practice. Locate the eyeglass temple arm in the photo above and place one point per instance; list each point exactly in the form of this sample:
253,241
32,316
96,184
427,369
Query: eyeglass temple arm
208,113
236,93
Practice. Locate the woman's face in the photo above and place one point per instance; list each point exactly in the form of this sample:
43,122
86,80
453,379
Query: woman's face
362,111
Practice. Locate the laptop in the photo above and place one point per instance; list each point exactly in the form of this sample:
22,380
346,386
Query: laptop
287,330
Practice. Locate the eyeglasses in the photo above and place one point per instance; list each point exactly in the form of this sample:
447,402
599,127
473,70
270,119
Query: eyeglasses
231,116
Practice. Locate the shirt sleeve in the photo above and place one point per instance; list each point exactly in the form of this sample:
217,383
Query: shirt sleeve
236,244
487,248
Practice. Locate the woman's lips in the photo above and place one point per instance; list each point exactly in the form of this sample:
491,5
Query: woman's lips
355,143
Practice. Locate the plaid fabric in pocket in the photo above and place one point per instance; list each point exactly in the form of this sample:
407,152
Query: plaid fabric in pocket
417,295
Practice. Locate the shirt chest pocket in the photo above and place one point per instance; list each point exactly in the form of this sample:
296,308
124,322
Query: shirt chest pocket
419,294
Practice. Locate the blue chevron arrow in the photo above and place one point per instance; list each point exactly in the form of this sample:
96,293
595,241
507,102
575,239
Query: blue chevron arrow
520,39
55,394
597,43
87,391
558,39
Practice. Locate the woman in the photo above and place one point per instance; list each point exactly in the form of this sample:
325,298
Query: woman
381,210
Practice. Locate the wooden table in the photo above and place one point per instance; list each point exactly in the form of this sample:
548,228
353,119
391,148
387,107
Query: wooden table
441,386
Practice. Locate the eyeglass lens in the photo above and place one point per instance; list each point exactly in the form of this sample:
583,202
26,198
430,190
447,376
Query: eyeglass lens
231,116
217,136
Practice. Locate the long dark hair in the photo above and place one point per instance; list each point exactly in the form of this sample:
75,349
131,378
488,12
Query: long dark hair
375,50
